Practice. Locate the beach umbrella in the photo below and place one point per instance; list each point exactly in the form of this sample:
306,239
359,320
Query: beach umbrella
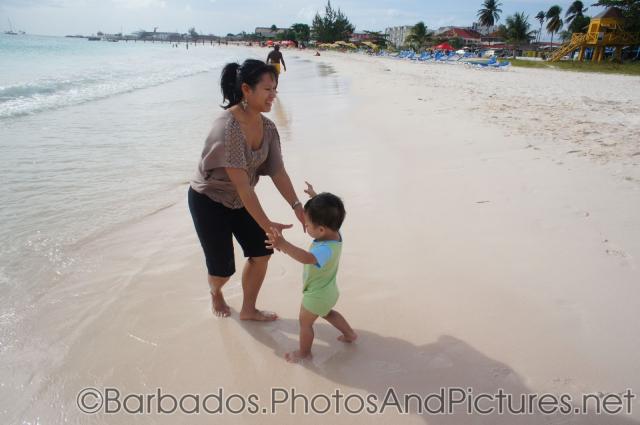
444,46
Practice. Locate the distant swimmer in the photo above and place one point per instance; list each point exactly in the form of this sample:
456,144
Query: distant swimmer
275,57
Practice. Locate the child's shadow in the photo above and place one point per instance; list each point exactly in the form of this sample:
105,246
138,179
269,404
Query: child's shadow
376,363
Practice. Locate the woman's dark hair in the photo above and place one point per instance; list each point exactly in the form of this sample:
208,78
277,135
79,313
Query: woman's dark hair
326,209
234,75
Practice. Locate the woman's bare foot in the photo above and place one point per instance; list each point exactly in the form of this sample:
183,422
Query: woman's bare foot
258,316
220,306
296,356
348,338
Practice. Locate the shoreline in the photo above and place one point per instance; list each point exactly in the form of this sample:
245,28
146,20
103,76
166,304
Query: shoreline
475,255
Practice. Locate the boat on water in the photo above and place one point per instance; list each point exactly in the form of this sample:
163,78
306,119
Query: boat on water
93,38
11,31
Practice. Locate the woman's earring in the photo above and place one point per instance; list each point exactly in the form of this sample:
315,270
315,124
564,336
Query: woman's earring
244,104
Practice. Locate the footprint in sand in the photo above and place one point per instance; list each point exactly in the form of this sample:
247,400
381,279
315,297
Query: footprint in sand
388,367
616,252
439,362
502,374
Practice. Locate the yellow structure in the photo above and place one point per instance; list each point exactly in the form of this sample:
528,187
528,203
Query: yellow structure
605,30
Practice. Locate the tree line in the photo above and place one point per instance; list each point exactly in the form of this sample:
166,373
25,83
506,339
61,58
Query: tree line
334,25
517,29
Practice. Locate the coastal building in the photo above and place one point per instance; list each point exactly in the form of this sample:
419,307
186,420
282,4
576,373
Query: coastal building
492,39
398,35
483,29
268,32
157,36
360,37
468,36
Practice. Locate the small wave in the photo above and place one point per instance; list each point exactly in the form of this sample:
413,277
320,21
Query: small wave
43,95
41,87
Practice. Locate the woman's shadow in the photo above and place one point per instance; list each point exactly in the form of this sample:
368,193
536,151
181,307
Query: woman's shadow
377,363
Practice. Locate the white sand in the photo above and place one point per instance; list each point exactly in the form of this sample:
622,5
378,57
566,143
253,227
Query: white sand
491,241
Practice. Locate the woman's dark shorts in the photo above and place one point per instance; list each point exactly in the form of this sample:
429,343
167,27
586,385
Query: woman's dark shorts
215,224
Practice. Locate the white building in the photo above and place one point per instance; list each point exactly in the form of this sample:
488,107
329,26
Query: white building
268,32
398,35
484,30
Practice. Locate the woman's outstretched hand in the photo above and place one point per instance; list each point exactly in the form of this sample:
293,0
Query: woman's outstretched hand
309,190
278,226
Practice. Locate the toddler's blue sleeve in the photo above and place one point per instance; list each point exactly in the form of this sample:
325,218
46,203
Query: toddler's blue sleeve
322,253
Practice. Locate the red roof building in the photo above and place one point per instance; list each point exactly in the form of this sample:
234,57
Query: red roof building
469,37
493,38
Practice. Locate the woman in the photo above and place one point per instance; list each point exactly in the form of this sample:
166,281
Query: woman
242,145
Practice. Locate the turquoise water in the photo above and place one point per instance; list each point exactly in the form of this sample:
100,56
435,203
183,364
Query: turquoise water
45,73
96,136
92,135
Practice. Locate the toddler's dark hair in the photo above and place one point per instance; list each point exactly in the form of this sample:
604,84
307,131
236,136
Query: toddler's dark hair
326,209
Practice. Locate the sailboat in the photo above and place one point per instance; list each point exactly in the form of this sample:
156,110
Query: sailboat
11,31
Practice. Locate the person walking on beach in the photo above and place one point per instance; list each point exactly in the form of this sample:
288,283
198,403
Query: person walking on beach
242,146
275,57
324,214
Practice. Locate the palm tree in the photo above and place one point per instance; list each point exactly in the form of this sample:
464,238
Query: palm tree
565,36
518,30
490,13
554,22
419,35
540,17
576,10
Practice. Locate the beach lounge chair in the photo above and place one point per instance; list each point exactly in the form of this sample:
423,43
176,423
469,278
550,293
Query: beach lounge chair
499,64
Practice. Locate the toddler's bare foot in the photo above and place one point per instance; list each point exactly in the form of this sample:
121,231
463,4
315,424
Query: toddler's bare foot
220,306
296,356
258,315
348,338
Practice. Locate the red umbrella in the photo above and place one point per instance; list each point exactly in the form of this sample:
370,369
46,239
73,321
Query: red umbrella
444,46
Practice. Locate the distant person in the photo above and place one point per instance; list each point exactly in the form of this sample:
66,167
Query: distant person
275,58
323,215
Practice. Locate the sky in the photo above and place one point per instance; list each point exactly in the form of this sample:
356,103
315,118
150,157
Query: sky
219,17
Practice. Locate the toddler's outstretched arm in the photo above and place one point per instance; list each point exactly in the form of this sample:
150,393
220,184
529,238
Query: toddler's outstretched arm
275,240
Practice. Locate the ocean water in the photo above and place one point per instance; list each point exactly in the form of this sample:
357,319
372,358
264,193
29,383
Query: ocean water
95,136
87,134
